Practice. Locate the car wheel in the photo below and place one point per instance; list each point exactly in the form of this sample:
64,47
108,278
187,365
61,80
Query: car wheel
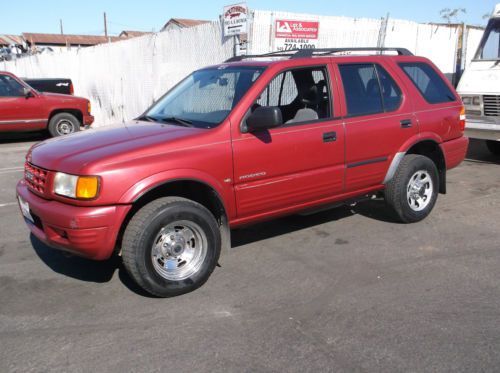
413,191
493,146
63,124
171,246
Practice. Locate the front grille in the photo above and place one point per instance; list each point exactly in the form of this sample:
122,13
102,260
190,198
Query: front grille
491,105
36,178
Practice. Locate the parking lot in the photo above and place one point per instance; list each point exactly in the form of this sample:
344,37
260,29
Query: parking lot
342,290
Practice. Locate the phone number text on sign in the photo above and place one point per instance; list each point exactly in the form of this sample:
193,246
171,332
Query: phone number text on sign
293,34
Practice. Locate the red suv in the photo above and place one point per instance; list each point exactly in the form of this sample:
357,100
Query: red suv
247,140
24,109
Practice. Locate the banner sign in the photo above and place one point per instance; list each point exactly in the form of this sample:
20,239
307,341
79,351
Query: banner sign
235,19
295,34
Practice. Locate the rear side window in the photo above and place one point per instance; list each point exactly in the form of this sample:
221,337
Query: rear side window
369,89
428,82
391,93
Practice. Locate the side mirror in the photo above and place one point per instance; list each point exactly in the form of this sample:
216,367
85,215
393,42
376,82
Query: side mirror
263,117
28,92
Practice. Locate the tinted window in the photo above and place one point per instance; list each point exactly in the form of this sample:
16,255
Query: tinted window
391,93
428,82
9,87
362,90
301,94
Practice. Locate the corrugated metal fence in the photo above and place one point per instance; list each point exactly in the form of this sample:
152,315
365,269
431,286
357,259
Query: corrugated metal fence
122,79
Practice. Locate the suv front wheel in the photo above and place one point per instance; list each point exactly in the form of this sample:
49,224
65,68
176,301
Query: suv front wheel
171,246
413,191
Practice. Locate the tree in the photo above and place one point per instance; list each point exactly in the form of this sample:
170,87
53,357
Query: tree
451,14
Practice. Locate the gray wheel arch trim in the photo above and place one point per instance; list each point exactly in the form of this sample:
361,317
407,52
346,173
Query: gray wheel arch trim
394,166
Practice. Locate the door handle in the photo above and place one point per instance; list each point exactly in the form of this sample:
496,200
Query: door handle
405,123
329,136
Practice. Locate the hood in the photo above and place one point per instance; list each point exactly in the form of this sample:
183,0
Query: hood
60,96
480,77
76,153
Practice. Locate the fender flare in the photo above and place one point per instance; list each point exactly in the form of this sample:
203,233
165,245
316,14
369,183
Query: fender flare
398,157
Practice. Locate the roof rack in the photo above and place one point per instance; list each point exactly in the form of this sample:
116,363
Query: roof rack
302,53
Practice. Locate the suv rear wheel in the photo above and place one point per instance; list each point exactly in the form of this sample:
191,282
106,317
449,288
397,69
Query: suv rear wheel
63,124
493,146
413,191
171,246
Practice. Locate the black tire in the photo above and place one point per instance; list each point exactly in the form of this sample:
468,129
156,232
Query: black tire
144,228
493,146
63,124
396,190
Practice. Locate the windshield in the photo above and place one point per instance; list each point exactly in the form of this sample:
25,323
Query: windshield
205,98
489,49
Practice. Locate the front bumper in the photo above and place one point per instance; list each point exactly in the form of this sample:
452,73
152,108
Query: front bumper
90,232
88,120
480,127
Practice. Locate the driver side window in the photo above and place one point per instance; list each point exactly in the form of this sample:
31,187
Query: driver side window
9,87
302,95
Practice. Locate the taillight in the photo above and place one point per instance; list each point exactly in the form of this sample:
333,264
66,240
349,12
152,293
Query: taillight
462,119
71,89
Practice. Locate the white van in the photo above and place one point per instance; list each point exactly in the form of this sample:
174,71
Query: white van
480,87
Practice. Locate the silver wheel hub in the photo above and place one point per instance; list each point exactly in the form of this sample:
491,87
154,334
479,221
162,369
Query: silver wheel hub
419,191
64,127
179,250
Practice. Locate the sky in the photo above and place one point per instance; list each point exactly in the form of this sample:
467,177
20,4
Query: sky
86,17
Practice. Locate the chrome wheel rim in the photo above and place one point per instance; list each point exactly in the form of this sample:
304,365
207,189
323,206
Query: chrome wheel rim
179,250
419,190
64,127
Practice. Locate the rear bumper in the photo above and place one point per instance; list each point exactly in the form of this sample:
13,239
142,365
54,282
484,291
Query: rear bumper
486,128
88,120
454,151
90,232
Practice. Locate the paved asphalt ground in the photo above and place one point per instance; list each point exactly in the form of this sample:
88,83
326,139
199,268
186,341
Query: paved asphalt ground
341,290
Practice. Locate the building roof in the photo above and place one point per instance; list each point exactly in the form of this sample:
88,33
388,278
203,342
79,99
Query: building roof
11,39
184,22
58,39
132,34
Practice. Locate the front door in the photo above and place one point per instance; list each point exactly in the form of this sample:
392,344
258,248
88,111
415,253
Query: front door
298,162
19,112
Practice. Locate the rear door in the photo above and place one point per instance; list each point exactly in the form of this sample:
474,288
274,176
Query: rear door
18,112
299,162
378,121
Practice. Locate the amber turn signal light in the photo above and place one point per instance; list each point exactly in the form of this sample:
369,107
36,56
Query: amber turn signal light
87,187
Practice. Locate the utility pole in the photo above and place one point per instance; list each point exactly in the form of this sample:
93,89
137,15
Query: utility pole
61,26
105,25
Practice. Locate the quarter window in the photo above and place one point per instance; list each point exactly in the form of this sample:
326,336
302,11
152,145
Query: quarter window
428,82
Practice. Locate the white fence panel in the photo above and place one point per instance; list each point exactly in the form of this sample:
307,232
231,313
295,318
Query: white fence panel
122,79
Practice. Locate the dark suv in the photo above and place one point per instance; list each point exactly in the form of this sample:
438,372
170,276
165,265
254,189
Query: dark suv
247,140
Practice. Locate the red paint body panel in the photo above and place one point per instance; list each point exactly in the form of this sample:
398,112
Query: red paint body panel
256,176
454,151
86,231
24,114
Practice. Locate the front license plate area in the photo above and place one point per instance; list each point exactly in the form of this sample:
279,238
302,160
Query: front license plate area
25,209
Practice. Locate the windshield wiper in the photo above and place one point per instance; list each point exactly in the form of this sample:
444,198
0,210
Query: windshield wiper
147,118
182,122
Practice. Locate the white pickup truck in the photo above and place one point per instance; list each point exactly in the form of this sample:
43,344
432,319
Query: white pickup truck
480,87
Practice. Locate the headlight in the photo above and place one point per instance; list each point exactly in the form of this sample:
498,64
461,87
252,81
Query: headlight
471,100
89,107
81,187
